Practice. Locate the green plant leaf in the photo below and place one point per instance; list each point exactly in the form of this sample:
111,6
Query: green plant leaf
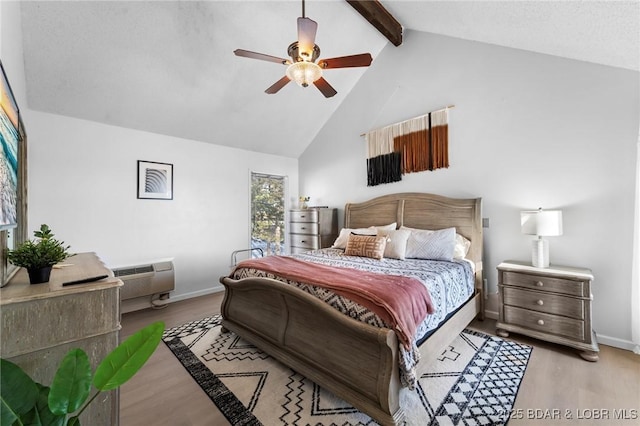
71,384
45,414
18,393
73,421
41,414
125,360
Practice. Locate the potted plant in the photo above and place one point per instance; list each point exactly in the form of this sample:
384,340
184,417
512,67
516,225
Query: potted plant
25,402
39,255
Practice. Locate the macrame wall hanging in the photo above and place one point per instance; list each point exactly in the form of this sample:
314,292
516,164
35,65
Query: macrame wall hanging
414,145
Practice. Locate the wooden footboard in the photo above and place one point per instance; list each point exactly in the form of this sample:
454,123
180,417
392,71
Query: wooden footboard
356,361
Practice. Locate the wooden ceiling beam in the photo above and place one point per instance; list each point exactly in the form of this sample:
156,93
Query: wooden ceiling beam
380,18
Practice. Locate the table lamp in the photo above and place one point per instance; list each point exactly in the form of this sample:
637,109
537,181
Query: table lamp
542,223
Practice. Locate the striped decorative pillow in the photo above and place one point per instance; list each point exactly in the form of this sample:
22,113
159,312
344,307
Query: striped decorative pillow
341,241
366,246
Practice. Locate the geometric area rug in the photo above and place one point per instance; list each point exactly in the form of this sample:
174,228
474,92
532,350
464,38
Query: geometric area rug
473,382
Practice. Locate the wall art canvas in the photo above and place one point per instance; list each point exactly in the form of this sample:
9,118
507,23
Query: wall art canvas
10,134
155,180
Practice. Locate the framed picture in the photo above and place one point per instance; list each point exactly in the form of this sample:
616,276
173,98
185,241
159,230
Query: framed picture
9,147
155,180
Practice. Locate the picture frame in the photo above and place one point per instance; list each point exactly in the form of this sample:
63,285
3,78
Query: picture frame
10,140
155,180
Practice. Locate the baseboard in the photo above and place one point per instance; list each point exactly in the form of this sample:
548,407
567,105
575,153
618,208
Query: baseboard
491,314
618,343
184,296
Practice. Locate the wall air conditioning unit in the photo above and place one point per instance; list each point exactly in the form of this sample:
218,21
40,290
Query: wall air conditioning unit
145,286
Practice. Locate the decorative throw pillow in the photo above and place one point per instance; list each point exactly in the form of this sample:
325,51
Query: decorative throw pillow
366,246
396,243
434,245
341,241
462,243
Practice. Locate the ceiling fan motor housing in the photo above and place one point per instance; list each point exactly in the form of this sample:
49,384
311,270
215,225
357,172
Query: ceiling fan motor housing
297,56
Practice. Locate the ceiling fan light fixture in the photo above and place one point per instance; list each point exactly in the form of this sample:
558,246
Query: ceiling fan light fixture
304,73
302,67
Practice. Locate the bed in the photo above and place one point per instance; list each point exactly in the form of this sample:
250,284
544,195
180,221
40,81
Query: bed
358,362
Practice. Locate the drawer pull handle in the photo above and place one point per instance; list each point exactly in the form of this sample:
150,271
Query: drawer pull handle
303,241
540,322
539,283
540,302
302,227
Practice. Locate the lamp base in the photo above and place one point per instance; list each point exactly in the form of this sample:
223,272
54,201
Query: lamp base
540,253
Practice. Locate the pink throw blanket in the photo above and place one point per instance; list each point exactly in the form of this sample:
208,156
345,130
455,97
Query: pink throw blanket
402,302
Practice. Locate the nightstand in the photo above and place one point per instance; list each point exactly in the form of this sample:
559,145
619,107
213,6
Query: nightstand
552,304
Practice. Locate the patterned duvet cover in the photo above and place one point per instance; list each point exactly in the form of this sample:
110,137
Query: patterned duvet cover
450,285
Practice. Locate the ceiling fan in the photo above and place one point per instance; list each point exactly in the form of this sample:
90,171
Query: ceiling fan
302,67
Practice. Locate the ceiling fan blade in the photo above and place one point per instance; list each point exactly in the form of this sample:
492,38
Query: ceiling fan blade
306,35
325,87
361,60
261,56
278,85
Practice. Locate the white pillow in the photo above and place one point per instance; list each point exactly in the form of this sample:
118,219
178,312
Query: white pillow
343,237
462,244
389,227
396,247
462,247
435,245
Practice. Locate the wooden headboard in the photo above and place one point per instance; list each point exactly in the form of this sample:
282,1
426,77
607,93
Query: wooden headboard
423,211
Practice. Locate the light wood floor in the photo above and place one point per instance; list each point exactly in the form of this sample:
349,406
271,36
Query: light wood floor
559,388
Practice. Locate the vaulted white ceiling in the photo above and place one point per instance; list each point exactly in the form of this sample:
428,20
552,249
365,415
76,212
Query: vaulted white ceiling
168,67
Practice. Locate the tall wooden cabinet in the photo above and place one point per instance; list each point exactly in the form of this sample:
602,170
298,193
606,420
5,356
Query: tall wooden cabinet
42,322
311,229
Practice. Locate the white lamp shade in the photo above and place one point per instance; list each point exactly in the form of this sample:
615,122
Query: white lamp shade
544,223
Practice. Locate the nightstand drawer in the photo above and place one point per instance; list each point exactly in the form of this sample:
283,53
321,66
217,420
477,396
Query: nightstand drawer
538,282
298,250
308,242
304,228
544,302
310,215
546,323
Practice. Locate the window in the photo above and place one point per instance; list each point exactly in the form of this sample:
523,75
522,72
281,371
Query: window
267,214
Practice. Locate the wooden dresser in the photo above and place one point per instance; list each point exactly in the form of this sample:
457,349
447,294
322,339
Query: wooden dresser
42,322
312,228
552,304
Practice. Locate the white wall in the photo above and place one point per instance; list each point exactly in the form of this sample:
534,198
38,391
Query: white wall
527,131
82,182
